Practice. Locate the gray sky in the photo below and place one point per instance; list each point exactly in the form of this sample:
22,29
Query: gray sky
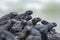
35,3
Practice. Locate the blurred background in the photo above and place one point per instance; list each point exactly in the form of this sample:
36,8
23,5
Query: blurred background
45,9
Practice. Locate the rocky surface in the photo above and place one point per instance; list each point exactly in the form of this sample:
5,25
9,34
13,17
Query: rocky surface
14,26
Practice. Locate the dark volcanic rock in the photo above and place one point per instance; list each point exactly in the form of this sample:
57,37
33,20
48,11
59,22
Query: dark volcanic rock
7,35
15,26
54,37
31,37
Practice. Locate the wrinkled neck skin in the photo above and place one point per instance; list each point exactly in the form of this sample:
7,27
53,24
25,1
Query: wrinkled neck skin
49,27
25,14
34,23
